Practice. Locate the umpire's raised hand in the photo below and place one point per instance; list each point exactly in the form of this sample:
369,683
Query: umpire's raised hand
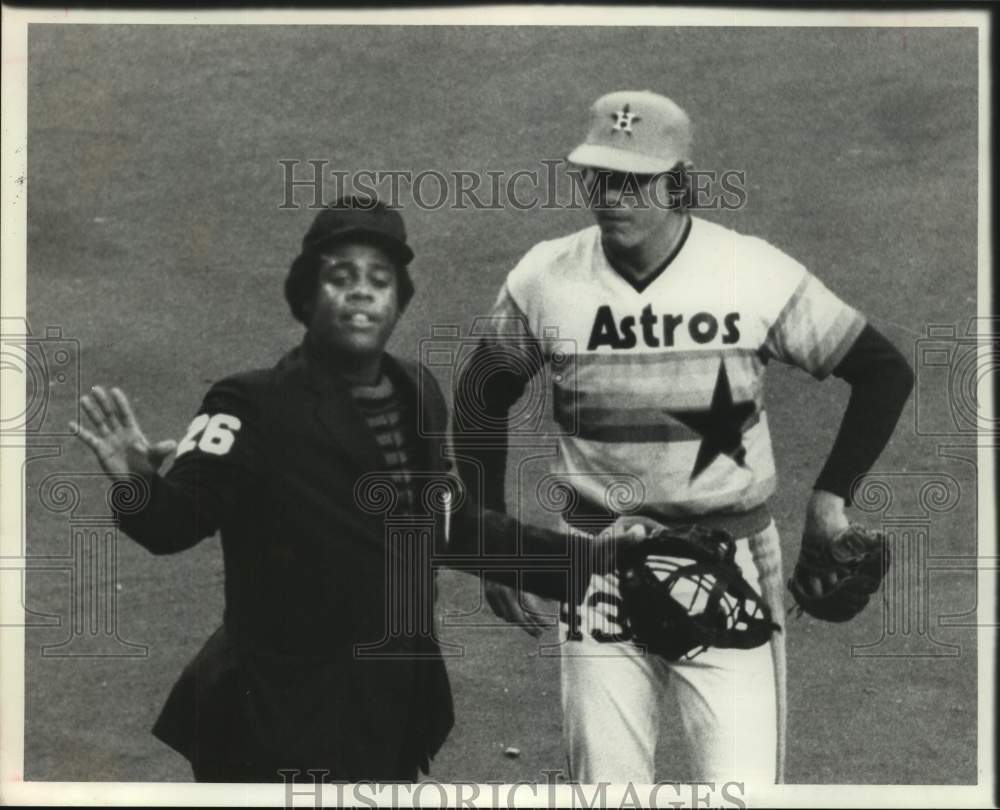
121,447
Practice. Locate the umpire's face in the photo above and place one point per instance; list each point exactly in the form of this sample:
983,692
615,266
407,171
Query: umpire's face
356,304
629,208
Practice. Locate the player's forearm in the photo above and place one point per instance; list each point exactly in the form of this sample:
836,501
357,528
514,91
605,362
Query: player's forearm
510,552
881,380
498,534
168,521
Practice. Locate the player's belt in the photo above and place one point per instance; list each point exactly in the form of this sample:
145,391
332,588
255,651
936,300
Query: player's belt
590,517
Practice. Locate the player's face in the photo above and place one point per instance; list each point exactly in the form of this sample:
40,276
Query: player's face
356,305
629,208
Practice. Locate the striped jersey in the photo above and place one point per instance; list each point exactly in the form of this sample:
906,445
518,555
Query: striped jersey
382,409
664,382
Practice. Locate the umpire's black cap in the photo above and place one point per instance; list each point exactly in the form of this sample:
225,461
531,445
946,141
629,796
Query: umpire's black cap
360,217
351,218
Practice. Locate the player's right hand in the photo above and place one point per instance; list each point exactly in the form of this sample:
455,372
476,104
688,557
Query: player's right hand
517,607
115,437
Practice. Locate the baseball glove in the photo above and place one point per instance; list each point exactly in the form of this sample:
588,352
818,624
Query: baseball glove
834,580
683,593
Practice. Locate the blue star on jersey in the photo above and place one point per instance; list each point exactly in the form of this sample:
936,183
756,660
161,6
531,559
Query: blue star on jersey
720,427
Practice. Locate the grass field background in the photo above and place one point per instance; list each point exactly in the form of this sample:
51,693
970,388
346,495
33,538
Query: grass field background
155,239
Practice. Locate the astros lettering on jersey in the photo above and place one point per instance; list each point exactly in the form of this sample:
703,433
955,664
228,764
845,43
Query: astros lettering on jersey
667,383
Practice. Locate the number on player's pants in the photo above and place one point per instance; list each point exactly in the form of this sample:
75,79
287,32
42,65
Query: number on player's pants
604,618
217,434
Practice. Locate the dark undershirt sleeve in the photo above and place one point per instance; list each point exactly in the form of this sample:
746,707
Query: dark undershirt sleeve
881,380
492,380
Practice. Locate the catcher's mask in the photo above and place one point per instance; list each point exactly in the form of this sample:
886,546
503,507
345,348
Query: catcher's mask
683,593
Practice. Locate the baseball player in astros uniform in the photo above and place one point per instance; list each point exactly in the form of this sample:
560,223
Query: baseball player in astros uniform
674,320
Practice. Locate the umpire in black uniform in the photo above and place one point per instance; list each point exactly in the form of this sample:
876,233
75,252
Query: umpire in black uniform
272,461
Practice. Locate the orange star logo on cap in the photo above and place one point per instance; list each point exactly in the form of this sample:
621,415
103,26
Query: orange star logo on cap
615,143
623,120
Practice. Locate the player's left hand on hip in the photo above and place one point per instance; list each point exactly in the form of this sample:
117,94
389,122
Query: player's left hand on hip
825,516
825,520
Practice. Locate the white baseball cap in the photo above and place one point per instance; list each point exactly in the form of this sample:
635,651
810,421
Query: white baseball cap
635,131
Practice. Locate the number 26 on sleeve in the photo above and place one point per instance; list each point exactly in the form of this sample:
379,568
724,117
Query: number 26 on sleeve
216,431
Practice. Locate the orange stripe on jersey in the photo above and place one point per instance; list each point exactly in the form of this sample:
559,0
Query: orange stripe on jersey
814,329
634,359
635,426
841,337
666,380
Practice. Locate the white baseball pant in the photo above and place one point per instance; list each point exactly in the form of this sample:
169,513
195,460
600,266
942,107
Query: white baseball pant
731,702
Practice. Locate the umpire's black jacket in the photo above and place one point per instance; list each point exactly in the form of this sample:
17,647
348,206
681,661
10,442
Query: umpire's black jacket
272,461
